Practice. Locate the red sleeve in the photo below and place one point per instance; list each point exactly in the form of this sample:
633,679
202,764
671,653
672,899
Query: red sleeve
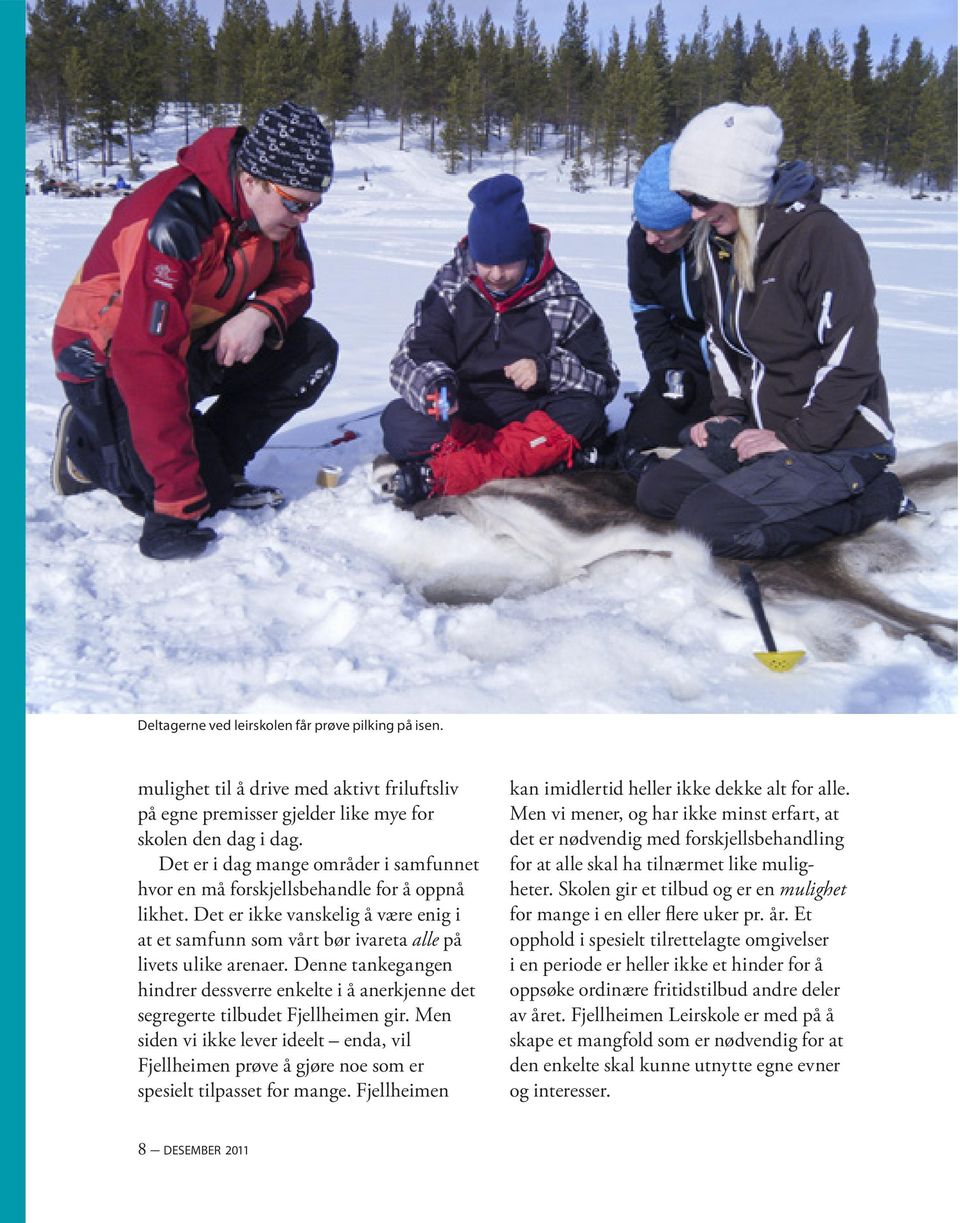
286,295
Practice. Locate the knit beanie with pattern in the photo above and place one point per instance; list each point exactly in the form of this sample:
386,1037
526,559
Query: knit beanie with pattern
288,145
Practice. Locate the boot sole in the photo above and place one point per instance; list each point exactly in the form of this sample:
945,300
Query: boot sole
61,479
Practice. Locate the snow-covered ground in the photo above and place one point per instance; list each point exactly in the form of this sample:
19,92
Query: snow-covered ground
321,606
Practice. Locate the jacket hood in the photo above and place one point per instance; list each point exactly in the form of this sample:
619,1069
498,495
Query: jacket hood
795,196
210,158
792,181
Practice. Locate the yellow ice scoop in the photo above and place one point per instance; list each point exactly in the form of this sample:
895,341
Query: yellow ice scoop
774,659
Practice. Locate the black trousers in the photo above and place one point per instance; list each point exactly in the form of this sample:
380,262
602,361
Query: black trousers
655,421
252,402
774,505
407,433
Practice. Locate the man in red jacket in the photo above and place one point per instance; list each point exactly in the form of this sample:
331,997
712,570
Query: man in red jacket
198,286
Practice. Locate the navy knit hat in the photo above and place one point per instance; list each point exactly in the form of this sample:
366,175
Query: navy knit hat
499,228
288,144
655,206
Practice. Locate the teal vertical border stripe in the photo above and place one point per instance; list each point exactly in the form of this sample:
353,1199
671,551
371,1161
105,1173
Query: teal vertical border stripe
12,898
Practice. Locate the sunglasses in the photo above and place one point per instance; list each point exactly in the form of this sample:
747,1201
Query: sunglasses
301,207
697,201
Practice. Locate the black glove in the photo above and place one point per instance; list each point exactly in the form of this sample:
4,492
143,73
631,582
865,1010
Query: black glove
719,436
676,386
166,538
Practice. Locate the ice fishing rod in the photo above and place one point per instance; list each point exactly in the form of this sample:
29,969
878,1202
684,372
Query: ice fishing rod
347,435
774,659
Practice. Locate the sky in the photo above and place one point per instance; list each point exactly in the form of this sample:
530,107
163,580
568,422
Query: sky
934,22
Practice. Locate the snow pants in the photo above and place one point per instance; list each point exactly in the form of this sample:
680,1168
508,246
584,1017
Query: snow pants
408,434
504,435
253,401
775,505
655,421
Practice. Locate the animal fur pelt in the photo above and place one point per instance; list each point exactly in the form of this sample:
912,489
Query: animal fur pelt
572,521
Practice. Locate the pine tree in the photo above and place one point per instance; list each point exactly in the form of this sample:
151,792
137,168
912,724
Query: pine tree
451,130
243,35
884,114
656,52
322,20
649,110
180,32
844,120
729,62
140,79
528,84
691,76
78,87
863,89
263,83
611,108
816,117
795,100
399,68
927,138
568,72
578,175
436,64
203,72
54,30
109,29
516,138
944,162
368,73
763,85
471,112
491,65
910,148
295,71
341,68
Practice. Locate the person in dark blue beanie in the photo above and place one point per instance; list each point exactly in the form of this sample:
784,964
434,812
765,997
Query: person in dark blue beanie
499,228
505,370
667,312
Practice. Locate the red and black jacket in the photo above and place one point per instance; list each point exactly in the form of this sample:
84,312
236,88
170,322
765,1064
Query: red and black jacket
177,258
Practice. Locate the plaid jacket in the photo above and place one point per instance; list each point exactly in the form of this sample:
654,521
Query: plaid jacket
463,335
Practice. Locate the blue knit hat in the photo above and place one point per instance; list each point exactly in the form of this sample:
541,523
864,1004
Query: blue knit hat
499,228
655,206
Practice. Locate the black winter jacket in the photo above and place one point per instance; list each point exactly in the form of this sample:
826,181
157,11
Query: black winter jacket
463,335
667,306
799,355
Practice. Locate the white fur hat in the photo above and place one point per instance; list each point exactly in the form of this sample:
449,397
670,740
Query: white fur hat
728,153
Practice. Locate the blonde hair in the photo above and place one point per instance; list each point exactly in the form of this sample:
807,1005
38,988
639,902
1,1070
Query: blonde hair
744,246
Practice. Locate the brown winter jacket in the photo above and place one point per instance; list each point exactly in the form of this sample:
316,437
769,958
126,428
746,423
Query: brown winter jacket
799,355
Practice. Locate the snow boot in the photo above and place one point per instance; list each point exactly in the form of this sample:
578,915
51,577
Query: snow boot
522,448
412,482
247,496
67,479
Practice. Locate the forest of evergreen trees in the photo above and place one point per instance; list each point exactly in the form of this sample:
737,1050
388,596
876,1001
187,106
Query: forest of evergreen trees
99,73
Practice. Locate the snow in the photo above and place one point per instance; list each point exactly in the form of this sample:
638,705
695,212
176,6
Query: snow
328,604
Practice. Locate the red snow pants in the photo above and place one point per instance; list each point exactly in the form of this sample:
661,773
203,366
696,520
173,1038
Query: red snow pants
473,454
